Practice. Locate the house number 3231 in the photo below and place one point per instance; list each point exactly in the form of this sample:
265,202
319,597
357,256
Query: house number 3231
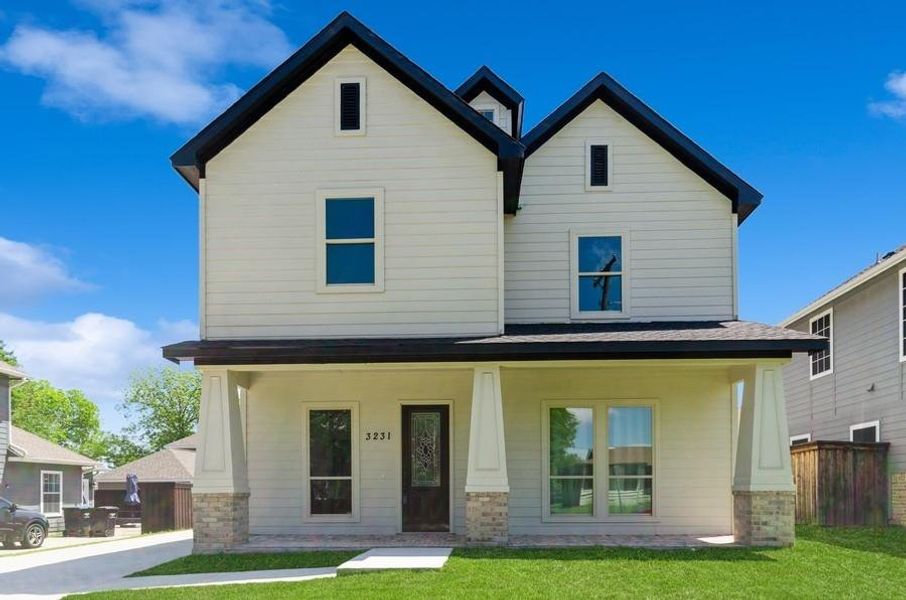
376,436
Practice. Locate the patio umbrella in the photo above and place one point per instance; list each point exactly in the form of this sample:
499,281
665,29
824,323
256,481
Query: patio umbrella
132,490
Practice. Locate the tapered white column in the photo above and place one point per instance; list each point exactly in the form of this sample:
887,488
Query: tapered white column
487,486
764,493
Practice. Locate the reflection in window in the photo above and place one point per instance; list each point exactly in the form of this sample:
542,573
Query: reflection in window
571,461
350,239
600,268
330,461
630,460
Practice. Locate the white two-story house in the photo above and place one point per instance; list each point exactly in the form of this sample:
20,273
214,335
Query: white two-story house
414,318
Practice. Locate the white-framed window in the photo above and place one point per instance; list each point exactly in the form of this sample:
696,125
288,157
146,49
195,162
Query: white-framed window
901,307
598,459
865,432
600,279
489,112
821,362
598,165
349,106
331,462
796,440
350,240
52,493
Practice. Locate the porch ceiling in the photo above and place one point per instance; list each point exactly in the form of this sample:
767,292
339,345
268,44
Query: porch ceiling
540,342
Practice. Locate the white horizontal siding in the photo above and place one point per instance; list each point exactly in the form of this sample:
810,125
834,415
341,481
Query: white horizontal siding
440,218
504,114
681,260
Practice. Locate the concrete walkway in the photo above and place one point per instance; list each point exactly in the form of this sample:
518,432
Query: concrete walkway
383,559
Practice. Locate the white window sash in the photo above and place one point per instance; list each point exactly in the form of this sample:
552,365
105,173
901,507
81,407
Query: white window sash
58,493
576,275
817,356
307,478
866,425
322,242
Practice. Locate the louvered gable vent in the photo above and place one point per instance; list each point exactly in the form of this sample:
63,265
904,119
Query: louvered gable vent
350,94
598,165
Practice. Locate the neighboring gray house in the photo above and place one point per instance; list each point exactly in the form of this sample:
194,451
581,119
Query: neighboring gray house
856,390
9,375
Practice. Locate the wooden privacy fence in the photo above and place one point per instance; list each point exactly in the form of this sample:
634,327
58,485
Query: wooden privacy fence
165,506
840,483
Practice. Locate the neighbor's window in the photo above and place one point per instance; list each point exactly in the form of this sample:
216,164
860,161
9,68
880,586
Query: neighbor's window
798,440
599,275
51,492
865,432
350,241
572,461
822,360
901,290
330,460
598,167
350,106
630,460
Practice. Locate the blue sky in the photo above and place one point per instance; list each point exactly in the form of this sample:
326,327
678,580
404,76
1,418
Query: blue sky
99,234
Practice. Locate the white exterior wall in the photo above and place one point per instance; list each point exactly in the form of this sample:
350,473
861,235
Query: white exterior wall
681,260
693,443
504,114
441,218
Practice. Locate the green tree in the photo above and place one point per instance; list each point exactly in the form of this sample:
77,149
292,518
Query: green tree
162,406
116,450
7,355
64,417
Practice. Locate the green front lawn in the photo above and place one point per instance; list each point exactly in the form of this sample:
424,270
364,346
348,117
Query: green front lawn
225,563
863,563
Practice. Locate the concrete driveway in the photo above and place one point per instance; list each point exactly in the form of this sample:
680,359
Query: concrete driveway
55,573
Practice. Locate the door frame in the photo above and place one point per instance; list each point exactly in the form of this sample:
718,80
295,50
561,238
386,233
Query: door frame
399,458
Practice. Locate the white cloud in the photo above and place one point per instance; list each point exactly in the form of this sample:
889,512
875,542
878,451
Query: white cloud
156,58
95,353
28,271
895,108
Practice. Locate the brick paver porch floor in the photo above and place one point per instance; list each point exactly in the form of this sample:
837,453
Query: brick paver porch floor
291,543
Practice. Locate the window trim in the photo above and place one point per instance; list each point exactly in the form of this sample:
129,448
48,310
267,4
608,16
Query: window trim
866,425
830,349
479,108
41,487
362,104
598,142
307,516
321,197
602,315
901,306
601,477
802,437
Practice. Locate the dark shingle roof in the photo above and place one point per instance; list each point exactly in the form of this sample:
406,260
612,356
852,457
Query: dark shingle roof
169,464
612,341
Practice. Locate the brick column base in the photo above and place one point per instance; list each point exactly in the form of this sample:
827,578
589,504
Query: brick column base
487,517
898,499
221,521
764,518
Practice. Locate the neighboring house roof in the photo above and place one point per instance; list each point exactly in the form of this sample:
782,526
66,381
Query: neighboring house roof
11,372
486,80
28,447
187,443
585,341
169,464
744,197
190,160
882,265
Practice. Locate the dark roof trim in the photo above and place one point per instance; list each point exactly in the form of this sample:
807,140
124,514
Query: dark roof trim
744,197
486,80
190,160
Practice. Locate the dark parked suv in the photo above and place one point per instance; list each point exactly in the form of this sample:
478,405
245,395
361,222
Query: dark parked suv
19,525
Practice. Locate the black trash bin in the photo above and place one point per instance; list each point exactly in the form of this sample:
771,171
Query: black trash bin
77,522
103,521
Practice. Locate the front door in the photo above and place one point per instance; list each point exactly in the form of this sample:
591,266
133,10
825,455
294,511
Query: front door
426,468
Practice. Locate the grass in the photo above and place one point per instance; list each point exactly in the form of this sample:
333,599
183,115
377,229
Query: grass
864,563
226,563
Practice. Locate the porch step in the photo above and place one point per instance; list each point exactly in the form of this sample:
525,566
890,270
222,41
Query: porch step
382,559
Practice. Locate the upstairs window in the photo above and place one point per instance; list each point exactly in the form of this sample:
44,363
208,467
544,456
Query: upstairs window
821,361
865,432
488,112
599,279
350,244
598,168
350,106
901,292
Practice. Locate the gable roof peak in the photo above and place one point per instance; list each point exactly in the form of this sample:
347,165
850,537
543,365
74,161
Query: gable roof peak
486,80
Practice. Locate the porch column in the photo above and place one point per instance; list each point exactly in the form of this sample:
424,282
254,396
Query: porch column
764,494
487,487
220,492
